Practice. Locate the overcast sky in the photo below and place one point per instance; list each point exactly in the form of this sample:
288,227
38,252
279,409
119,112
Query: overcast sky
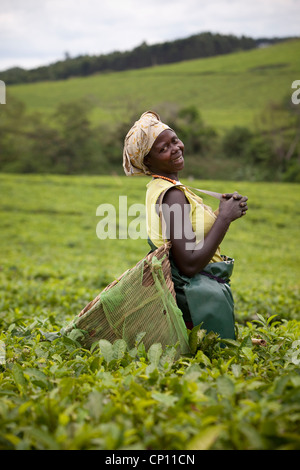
39,32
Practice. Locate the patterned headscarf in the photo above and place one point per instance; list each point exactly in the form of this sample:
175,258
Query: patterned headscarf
138,142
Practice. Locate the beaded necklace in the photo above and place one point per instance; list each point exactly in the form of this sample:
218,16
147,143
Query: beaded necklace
165,178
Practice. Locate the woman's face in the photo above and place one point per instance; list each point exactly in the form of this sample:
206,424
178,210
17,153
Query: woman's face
166,154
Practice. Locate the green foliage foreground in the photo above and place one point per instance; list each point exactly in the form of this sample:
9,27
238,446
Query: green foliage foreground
56,395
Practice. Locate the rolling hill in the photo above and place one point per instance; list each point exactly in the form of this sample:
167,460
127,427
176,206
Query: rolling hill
228,90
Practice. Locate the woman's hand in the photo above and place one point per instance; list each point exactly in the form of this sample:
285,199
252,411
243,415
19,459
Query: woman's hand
233,206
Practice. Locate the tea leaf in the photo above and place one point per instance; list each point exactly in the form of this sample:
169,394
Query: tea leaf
206,438
154,354
106,349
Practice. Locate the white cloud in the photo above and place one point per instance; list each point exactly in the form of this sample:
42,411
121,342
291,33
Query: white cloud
37,32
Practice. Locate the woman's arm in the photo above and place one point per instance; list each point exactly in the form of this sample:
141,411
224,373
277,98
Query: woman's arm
189,257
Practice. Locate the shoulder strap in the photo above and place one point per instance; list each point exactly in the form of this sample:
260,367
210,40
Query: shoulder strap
209,193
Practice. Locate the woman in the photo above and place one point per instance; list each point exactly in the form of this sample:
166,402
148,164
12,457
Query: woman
200,274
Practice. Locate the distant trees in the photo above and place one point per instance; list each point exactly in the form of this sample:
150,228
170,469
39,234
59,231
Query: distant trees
273,149
196,46
66,142
279,124
61,143
199,45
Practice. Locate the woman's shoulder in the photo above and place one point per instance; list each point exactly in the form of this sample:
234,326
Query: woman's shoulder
175,195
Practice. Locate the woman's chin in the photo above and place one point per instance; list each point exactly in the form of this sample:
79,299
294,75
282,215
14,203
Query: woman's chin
179,164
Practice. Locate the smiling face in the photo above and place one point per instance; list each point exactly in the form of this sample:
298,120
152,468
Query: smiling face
166,155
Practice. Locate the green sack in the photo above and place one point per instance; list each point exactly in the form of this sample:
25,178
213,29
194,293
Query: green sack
141,300
206,297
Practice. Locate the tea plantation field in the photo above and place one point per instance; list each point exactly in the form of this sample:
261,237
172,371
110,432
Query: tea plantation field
56,395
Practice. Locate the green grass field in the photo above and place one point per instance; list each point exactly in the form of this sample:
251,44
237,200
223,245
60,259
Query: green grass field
55,395
228,90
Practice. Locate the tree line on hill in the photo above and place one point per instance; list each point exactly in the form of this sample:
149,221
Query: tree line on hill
197,46
68,143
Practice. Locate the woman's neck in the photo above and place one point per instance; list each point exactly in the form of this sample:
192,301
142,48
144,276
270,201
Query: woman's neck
173,176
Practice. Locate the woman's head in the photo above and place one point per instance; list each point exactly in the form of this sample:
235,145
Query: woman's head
166,154
139,141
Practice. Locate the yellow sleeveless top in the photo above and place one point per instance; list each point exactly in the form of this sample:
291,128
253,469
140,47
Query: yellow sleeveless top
201,216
